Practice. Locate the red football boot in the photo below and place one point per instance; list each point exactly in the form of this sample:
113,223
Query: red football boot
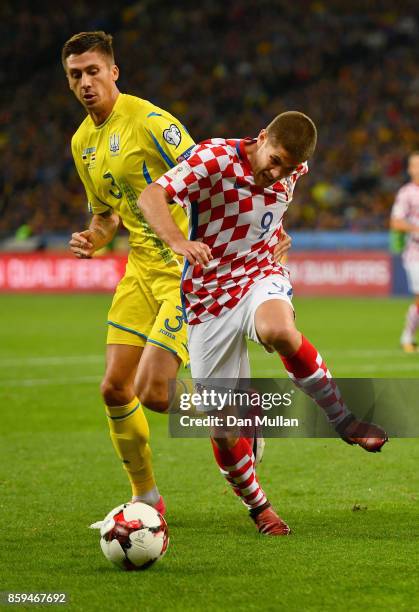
268,522
160,506
367,435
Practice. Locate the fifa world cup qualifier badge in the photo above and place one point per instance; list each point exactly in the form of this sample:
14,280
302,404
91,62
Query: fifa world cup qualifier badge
172,135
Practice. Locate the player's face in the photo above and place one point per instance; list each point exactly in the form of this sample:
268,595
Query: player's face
413,168
271,162
91,76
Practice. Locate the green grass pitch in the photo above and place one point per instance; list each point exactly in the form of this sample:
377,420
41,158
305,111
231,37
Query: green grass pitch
58,474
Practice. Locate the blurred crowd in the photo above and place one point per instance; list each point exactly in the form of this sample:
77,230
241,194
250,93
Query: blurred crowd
224,69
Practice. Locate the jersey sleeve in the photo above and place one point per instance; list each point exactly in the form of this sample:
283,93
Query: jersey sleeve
400,208
95,206
192,179
168,137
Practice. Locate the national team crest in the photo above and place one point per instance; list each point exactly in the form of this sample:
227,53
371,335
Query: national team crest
172,135
114,144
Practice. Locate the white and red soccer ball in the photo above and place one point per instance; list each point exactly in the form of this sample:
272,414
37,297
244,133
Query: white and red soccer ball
134,536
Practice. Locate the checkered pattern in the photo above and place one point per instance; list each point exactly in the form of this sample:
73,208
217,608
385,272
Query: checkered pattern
406,207
240,221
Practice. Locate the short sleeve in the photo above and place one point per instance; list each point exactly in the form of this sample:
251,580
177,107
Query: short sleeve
168,137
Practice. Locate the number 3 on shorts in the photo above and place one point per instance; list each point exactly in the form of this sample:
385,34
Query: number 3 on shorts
266,223
179,319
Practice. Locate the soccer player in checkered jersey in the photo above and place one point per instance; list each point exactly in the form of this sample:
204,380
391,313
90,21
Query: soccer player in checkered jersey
405,218
236,193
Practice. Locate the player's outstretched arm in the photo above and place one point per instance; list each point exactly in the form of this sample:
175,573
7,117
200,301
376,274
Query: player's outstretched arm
101,231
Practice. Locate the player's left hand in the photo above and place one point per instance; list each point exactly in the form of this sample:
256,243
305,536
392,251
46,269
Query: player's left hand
81,244
282,247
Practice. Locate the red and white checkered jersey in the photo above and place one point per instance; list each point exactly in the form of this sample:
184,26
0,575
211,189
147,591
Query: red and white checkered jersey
406,208
240,222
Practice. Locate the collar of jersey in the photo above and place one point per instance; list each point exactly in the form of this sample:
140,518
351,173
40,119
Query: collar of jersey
241,152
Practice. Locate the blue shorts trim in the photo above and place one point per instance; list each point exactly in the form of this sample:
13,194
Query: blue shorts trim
162,346
127,329
150,340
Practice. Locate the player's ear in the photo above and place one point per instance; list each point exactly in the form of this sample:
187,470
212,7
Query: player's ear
68,80
115,72
262,137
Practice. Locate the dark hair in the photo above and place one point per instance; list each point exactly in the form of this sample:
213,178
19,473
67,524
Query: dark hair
88,41
295,132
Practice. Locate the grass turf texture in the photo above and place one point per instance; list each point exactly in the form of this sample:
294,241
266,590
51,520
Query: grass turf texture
353,515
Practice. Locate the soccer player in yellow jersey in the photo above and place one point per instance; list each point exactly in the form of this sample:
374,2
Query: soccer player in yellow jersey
123,144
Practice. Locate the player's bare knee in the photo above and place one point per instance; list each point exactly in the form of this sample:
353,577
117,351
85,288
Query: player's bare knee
154,397
278,336
115,393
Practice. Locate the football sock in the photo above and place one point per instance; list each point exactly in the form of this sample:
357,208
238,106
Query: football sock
130,436
411,324
308,371
149,497
237,466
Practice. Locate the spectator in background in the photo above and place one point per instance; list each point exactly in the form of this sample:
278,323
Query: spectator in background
353,70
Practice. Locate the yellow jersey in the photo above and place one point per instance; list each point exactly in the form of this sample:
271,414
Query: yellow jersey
116,160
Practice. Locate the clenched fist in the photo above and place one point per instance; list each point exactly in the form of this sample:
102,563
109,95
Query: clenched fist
81,244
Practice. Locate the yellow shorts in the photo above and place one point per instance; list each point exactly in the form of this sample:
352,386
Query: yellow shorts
147,307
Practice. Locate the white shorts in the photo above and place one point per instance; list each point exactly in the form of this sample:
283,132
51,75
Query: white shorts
412,273
218,347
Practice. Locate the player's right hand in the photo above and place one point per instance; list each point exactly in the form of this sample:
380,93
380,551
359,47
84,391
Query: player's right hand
196,252
81,244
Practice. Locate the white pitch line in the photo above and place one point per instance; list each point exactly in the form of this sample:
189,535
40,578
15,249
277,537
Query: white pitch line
44,382
364,352
57,360
51,361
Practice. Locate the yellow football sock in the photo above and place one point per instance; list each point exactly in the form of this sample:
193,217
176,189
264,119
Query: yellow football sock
130,436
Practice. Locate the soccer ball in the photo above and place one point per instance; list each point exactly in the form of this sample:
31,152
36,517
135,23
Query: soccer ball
134,536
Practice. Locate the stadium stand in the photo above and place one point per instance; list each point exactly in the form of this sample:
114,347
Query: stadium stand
226,73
